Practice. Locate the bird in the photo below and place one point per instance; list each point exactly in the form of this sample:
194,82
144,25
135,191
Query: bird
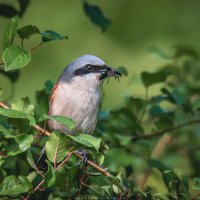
77,94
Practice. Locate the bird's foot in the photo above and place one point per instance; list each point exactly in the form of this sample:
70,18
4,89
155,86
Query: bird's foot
83,153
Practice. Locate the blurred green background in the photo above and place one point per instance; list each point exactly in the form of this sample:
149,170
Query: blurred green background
137,27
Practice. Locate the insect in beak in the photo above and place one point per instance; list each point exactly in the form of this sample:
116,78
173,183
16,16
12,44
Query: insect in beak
108,72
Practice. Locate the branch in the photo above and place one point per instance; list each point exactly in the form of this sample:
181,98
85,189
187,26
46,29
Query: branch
36,46
161,132
103,171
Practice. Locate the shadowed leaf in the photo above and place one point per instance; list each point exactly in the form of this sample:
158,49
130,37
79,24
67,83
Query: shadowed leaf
96,16
149,79
13,76
27,31
23,6
51,35
7,11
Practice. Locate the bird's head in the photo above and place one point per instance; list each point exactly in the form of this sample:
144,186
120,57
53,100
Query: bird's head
90,69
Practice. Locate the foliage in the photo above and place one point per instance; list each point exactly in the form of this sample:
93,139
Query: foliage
149,137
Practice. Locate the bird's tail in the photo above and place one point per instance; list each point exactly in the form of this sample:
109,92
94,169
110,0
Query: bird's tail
42,152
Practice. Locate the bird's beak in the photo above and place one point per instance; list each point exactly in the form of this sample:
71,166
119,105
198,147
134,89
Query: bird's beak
107,72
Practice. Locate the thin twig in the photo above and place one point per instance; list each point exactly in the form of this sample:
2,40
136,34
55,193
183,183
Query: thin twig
64,161
36,46
82,180
161,132
38,186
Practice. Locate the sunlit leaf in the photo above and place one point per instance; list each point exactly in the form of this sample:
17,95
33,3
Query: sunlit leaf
69,123
87,140
160,196
57,147
15,186
16,114
24,141
23,104
10,32
15,57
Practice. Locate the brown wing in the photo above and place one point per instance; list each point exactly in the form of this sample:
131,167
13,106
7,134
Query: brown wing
52,92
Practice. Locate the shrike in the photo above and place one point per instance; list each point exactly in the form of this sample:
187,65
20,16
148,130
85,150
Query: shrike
77,94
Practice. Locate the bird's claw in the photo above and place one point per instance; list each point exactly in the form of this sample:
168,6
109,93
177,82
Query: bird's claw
84,159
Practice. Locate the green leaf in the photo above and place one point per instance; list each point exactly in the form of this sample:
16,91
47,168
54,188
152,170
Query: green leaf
57,147
175,96
149,79
70,174
49,176
157,111
160,197
185,181
48,87
23,104
15,186
15,57
196,184
185,50
157,164
87,140
96,16
51,35
123,139
24,141
17,114
30,160
6,133
32,176
69,123
10,32
21,143
27,31
116,182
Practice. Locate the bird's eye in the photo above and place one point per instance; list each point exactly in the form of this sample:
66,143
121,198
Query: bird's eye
89,67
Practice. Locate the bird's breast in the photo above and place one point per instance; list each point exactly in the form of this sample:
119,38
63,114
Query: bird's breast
77,103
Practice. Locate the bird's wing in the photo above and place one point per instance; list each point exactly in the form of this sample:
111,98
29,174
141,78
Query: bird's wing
52,92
